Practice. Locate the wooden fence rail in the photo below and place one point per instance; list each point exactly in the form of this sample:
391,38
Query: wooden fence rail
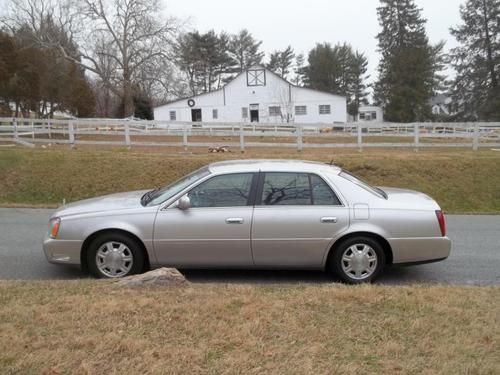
130,133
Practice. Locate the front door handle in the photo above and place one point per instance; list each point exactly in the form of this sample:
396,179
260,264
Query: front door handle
234,220
329,219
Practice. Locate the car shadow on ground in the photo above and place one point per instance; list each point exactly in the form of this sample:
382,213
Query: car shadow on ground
391,275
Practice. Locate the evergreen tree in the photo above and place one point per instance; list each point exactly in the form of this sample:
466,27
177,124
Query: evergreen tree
338,70
477,60
357,85
280,62
205,60
409,66
244,49
299,69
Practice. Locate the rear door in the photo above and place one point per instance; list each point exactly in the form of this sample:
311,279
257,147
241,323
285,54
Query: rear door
296,216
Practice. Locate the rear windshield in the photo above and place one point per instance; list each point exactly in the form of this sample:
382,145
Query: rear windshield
356,180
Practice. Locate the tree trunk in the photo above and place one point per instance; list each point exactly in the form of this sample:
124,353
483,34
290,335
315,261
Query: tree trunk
491,64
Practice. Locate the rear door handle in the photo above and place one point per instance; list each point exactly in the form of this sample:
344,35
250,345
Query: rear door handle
329,219
234,220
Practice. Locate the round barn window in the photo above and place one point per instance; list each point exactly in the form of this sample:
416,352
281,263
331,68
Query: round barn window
191,102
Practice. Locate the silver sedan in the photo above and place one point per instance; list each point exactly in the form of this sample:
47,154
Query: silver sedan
280,214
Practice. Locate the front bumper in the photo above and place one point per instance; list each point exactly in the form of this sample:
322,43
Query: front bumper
423,249
62,251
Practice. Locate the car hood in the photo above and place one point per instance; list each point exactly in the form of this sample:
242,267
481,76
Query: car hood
111,202
409,198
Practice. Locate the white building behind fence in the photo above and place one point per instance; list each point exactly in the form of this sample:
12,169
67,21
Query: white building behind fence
257,95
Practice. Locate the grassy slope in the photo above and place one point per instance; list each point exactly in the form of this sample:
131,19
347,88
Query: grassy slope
88,327
461,180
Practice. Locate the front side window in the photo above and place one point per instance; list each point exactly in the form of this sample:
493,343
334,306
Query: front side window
244,112
158,196
173,115
215,114
222,191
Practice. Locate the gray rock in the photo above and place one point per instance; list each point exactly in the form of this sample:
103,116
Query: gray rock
158,277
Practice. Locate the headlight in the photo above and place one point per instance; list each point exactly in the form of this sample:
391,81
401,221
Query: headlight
54,226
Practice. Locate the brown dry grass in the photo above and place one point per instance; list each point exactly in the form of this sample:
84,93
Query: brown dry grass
460,180
89,328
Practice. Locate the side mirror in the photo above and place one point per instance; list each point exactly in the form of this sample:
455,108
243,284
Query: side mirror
184,203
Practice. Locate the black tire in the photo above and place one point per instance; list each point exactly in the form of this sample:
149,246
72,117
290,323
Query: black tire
337,266
134,250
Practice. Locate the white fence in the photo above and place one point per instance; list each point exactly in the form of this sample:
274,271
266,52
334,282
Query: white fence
129,133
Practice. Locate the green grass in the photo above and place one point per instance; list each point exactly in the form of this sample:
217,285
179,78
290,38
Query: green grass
462,181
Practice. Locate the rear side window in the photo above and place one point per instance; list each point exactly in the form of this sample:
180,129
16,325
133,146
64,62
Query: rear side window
322,193
298,189
229,190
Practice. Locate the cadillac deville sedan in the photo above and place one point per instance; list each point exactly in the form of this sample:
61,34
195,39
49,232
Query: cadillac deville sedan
260,214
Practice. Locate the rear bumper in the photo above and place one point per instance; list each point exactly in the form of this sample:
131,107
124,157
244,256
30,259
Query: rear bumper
62,251
419,250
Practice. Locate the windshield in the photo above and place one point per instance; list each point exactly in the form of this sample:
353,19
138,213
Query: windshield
160,195
356,180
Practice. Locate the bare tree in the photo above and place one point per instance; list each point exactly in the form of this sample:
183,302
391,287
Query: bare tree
116,38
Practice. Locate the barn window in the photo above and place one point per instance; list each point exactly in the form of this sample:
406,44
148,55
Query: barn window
256,77
215,114
173,115
362,115
300,110
374,115
244,112
325,109
274,111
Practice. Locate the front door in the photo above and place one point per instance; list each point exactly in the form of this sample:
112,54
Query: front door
214,231
296,216
196,115
254,115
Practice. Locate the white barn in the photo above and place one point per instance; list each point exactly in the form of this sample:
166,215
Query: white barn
257,95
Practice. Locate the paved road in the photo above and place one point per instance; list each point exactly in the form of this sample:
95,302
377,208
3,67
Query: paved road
475,257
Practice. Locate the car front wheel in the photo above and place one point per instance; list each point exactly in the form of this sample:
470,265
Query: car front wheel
114,255
358,260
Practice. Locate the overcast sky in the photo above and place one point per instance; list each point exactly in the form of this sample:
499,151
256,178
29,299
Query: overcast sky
302,24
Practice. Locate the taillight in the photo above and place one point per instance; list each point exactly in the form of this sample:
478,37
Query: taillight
442,225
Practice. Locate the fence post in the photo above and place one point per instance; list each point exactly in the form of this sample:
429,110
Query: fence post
242,139
300,142
127,135
475,140
185,137
48,128
360,138
32,130
71,131
14,123
416,131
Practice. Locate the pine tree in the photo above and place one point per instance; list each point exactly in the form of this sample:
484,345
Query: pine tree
245,50
477,60
280,62
299,69
338,70
409,66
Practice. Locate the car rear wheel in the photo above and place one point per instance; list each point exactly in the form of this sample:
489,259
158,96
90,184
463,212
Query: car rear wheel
357,260
114,255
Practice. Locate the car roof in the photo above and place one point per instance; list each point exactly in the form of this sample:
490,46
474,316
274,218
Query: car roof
275,165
